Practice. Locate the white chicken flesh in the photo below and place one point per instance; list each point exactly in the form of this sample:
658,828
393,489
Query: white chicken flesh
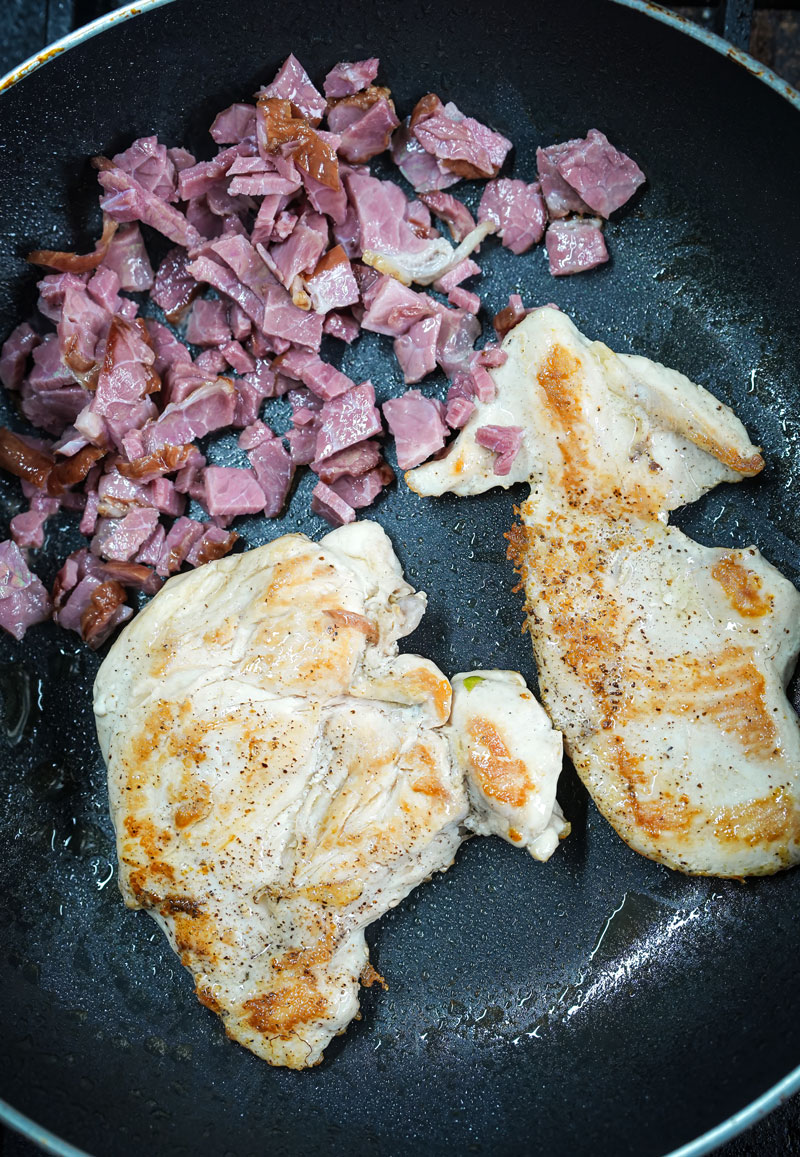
663,662
279,776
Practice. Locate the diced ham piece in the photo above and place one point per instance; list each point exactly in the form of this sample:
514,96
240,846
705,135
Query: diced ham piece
87,601
301,252
504,441
417,424
342,326
231,490
332,284
462,299
181,158
123,538
233,124
17,348
127,377
53,410
560,198
348,77
328,505
165,498
88,521
325,380
213,543
240,323
363,490
424,172
491,356
510,315
458,411
483,386
49,373
208,323
182,536
517,209
415,350
350,418
355,460
389,242
174,289
303,443
364,131
252,389
198,180
212,363
393,308
149,163
458,333
274,469
254,434
454,277
453,212
575,245
27,528
150,554
126,200
117,494
207,408
293,83
602,176
23,598
82,329
128,258
462,144
103,288
238,358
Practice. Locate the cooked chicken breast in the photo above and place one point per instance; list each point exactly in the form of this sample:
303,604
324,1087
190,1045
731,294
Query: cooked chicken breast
663,662
279,776
501,736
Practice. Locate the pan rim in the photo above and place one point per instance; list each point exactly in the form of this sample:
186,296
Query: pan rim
772,1098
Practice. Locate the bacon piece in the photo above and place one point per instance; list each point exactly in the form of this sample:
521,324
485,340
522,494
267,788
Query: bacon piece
164,460
313,154
66,262
25,461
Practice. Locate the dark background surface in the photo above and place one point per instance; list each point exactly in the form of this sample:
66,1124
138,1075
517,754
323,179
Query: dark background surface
775,39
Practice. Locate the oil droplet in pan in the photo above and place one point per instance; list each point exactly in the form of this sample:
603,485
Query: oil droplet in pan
15,694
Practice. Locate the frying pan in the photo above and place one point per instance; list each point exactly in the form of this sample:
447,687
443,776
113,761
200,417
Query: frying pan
597,1004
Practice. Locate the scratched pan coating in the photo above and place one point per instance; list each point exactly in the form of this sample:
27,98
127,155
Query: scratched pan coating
595,1004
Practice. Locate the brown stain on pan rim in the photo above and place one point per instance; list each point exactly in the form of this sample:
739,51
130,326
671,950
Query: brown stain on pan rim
663,15
74,38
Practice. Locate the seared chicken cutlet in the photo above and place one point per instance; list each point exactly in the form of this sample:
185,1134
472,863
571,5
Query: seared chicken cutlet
663,662
279,776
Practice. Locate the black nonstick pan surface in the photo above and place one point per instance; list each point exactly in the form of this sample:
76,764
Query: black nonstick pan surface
597,1004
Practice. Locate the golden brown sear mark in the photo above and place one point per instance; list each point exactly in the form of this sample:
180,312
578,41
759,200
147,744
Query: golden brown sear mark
742,587
500,776
771,819
282,1012
195,807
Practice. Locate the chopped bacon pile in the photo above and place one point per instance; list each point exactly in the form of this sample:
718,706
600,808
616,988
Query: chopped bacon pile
280,241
